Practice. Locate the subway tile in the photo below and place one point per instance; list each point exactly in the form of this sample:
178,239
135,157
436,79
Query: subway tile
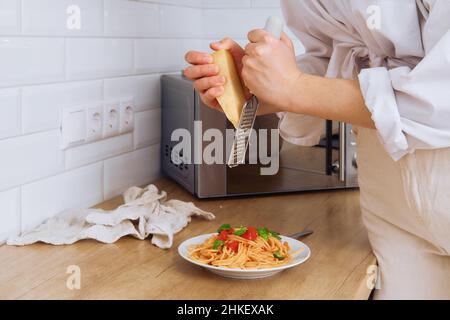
96,58
181,22
81,188
130,18
182,3
132,169
147,128
9,17
153,55
146,90
163,55
9,113
96,151
265,3
236,23
28,158
60,17
226,3
9,214
31,60
42,105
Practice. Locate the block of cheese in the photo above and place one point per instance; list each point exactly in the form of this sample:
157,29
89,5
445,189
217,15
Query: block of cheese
233,99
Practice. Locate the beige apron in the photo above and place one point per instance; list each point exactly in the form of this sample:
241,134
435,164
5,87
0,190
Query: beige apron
406,209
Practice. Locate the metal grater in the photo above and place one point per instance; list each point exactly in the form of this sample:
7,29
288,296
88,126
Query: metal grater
243,132
274,25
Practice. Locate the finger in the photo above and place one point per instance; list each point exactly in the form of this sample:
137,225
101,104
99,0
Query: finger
214,92
287,41
260,35
226,44
215,105
201,71
196,57
255,49
206,83
248,62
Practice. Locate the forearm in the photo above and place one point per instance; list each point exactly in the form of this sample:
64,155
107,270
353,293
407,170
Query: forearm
331,99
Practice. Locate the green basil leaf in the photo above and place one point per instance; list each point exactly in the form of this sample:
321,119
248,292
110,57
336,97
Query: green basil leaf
278,255
263,233
274,234
217,244
224,227
240,231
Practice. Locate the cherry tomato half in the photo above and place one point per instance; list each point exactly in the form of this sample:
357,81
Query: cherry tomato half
223,235
251,234
234,245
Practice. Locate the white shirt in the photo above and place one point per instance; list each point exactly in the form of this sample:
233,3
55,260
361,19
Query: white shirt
402,62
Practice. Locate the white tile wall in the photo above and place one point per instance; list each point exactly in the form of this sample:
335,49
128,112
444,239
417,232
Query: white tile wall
171,16
135,168
148,128
98,58
70,190
9,16
226,3
42,104
9,113
28,158
144,88
135,19
120,50
94,152
49,17
31,60
238,21
9,213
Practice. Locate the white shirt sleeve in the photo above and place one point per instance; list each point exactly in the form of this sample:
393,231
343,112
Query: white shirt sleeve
411,107
295,128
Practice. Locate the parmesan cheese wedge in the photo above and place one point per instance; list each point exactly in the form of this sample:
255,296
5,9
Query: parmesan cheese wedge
233,99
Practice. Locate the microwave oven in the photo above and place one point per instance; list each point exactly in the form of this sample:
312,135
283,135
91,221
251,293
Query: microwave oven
331,164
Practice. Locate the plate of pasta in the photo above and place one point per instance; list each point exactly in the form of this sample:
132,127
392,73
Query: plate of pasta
244,252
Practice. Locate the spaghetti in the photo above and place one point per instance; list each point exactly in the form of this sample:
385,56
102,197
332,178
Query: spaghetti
243,247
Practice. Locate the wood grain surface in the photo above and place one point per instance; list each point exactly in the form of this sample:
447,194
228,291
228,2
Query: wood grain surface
133,269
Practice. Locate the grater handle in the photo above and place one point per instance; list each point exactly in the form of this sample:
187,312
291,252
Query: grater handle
274,26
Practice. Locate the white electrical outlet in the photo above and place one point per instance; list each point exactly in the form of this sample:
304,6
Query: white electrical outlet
97,121
126,116
94,123
111,119
73,127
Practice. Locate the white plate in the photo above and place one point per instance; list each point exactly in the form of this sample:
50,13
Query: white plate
294,245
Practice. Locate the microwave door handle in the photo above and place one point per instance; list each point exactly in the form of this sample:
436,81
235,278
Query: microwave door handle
342,150
329,148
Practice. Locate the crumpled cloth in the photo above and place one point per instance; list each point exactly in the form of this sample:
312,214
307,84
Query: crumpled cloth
145,212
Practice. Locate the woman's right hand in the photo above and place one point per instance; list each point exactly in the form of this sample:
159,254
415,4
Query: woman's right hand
205,74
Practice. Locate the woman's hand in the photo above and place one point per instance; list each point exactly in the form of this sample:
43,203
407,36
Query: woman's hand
270,70
205,74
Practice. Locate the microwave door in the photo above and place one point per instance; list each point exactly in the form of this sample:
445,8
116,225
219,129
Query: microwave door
300,168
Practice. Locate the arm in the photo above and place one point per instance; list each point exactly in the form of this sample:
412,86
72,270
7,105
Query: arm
342,100
270,63
408,107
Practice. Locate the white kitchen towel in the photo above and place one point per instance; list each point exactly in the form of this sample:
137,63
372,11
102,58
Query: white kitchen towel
145,212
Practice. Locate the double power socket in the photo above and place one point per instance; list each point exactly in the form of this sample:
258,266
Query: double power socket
90,123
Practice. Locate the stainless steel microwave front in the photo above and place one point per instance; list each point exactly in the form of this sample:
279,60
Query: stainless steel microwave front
331,164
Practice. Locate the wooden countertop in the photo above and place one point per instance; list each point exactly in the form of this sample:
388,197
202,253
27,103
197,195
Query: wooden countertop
133,269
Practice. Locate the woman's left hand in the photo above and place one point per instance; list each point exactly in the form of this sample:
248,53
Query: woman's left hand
270,69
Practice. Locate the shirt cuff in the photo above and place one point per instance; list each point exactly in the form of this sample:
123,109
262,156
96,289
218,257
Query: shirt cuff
300,129
380,99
